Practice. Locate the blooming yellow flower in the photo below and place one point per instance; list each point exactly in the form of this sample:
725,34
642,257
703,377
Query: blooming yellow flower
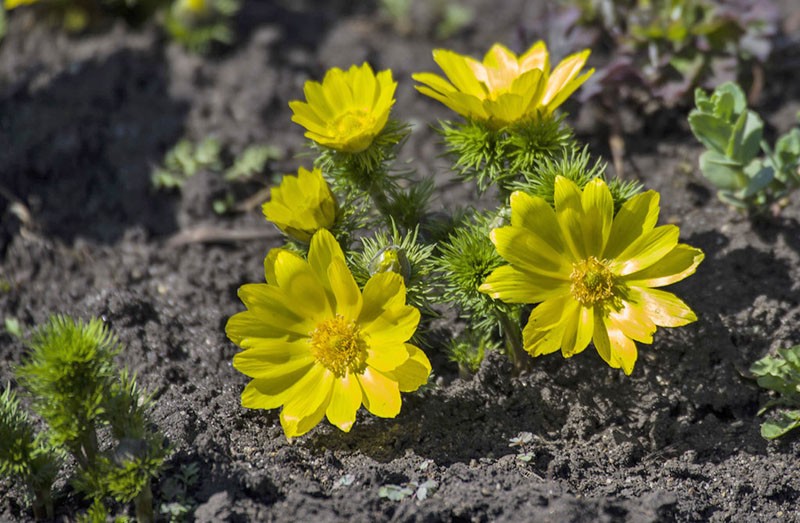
302,205
13,4
348,109
593,274
504,89
314,344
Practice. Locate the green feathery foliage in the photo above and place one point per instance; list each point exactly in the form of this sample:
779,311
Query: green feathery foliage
401,253
68,373
26,455
409,207
575,165
78,390
468,351
366,175
497,157
463,263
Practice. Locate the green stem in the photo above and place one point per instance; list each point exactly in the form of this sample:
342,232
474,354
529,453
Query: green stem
514,348
43,504
144,505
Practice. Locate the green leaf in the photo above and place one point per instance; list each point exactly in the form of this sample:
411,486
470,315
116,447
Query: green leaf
745,140
762,175
785,422
710,130
724,173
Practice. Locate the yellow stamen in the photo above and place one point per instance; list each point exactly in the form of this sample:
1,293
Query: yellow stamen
592,282
339,346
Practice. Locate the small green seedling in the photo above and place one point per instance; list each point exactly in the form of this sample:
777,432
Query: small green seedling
26,455
780,374
83,397
746,172
185,160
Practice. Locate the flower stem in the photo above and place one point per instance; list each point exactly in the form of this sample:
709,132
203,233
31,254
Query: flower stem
144,505
513,337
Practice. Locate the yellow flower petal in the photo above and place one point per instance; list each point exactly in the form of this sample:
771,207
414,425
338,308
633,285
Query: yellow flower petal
623,350
570,217
381,394
537,216
536,57
633,321
345,402
272,358
549,313
636,217
540,342
578,329
273,392
395,325
323,250
299,282
560,79
386,357
434,82
269,265
383,291
680,262
345,290
664,308
302,412
515,286
523,249
598,209
647,250
270,314
414,372
459,70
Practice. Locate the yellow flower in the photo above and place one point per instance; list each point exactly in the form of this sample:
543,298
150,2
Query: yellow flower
302,205
504,89
314,344
593,274
348,109
12,4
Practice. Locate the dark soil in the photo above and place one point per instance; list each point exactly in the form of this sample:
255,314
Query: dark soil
84,120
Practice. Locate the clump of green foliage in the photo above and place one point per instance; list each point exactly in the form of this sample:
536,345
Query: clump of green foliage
747,172
26,455
77,390
197,24
781,375
186,159
669,47
449,17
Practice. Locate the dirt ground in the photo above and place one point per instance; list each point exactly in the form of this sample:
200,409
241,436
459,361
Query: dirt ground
84,120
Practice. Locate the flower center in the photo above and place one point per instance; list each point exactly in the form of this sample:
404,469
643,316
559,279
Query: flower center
352,122
592,282
339,346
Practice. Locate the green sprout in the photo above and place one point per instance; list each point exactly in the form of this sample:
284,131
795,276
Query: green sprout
747,173
197,24
78,391
26,455
185,160
781,375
